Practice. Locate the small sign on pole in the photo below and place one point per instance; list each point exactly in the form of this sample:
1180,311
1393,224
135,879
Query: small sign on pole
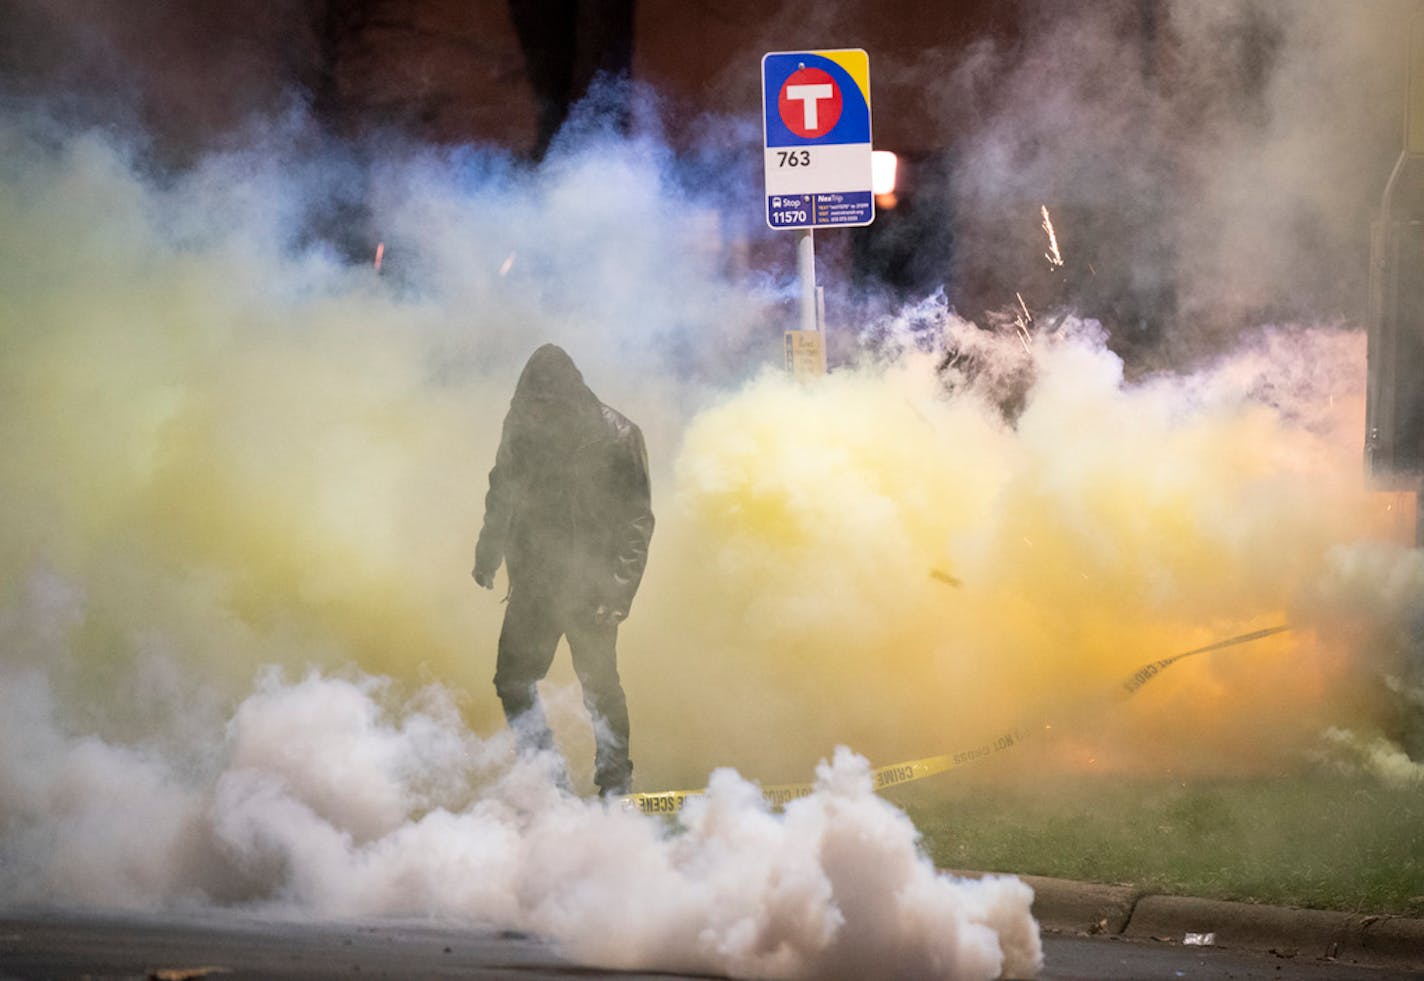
805,353
816,128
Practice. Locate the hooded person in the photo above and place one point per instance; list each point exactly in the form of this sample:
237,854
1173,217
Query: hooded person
569,514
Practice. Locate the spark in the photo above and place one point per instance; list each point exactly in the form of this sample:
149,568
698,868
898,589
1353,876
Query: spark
506,266
380,254
1021,322
1054,257
1024,339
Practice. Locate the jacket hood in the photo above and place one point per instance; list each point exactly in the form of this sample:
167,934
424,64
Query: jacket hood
550,374
552,407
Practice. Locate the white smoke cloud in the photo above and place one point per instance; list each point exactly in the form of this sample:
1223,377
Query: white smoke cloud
328,804
1372,754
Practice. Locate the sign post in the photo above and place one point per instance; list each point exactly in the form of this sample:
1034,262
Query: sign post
816,123
1394,395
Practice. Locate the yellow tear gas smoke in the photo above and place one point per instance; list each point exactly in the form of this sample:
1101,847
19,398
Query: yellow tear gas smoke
241,458
1112,524
228,471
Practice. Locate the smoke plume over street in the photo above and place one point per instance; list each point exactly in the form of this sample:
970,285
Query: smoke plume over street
242,660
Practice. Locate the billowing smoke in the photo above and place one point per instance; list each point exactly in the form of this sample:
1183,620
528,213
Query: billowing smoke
332,802
313,810
966,575
1209,163
242,660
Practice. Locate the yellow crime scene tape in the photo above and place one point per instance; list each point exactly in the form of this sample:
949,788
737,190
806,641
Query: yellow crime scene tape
778,795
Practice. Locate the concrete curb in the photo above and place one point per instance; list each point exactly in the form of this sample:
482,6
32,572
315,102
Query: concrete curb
1065,906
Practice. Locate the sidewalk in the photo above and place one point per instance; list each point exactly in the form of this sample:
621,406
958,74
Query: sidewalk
1064,906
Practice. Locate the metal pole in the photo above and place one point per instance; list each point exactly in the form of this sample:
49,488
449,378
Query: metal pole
806,268
1419,518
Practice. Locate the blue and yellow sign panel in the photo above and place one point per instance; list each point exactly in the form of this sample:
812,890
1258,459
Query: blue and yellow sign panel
816,121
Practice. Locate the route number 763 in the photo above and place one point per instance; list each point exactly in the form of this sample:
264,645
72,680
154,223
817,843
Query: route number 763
793,158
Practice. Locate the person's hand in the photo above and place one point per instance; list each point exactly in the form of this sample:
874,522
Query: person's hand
607,615
484,579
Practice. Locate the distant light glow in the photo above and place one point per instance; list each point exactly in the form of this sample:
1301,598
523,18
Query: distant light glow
883,165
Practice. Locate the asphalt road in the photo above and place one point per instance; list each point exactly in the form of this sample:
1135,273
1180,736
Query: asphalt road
1117,959
232,947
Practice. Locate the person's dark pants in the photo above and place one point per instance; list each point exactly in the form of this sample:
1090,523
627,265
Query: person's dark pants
533,624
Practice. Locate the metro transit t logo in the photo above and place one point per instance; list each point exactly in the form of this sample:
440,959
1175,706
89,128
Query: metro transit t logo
810,102
816,98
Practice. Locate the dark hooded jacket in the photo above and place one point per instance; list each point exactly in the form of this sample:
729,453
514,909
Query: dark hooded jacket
569,507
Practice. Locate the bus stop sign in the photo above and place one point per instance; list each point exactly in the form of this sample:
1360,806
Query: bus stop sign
816,121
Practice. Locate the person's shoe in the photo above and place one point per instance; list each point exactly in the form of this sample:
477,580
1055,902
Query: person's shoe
620,789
